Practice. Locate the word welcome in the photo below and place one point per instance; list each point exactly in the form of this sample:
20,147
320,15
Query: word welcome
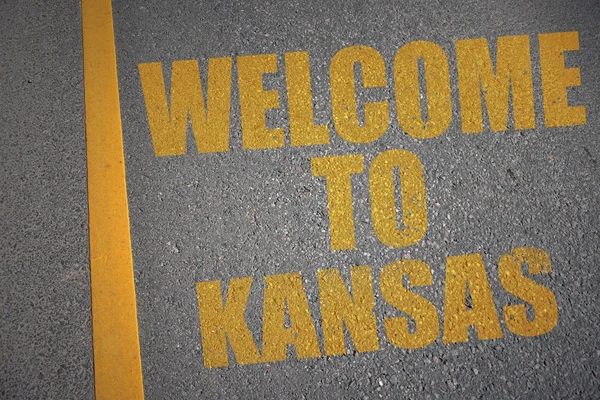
481,85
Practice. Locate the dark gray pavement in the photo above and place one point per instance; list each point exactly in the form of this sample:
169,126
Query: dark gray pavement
45,318
202,217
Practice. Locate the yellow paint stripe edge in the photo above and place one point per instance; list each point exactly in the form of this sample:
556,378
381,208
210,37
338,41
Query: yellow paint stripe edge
117,361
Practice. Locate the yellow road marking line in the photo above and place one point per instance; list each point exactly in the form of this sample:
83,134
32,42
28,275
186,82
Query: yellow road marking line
117,363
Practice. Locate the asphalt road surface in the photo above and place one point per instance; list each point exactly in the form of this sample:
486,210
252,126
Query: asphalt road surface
260,207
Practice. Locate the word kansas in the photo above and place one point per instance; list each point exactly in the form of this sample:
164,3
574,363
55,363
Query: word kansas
349,311
423,106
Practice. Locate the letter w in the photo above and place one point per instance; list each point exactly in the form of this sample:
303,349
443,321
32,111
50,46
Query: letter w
210,124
